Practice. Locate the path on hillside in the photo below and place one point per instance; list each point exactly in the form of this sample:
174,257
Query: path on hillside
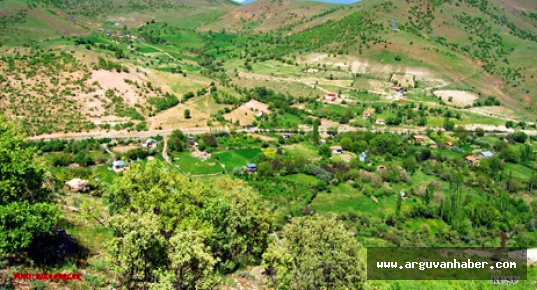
112,154
263,77
161,50
165,151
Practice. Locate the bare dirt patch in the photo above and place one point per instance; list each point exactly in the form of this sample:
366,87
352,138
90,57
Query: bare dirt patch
109,80
404,80
246,113
457,98
263,137
495,111
124,148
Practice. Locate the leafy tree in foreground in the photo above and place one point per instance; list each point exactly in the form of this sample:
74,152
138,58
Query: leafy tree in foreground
315,253
171,232
25,211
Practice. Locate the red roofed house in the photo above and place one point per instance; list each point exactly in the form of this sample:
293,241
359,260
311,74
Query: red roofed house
330,97
418,139
471,159
398,90
380,122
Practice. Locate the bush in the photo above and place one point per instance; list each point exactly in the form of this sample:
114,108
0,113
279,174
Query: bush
138,153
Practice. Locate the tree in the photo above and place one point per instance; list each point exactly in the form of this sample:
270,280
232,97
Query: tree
175,141
519,137
192,262
346,143
315,132
448,124
137,249
25,208
510,154
409,164
398,205
315,253
226,225
324,151
83,159
186,114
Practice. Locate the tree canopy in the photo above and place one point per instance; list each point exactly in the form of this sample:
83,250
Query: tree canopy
315,253
170,230
25,211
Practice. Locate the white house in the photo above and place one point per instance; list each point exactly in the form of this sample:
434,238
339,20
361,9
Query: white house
336,150
330,97
150,144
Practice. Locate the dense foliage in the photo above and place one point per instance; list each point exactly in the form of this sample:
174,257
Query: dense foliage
315,253
226,226
25,208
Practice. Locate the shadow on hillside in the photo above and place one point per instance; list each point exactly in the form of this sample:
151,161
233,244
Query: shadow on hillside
58,249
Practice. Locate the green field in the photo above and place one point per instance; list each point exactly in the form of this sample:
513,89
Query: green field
189,164
237,158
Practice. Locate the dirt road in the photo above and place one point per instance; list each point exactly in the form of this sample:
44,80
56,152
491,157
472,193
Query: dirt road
199,131
165,151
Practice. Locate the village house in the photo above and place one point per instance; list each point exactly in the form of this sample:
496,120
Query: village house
118,165
77,185
150,144
419,139
330,97
449,144
397,90
286,136
251,168
366,114
487,154
336,150
380,122
381,167
471,159
362,156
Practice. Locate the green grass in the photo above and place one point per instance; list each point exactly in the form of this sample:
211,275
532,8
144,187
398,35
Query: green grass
237,158
304,150
435,225
364,96
302,178
193,165
519,171
344,198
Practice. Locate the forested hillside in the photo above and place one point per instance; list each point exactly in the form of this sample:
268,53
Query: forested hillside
186,144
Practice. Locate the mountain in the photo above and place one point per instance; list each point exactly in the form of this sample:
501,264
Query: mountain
485,46
271,15
26,20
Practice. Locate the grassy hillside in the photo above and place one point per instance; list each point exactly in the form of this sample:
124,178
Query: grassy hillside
273,15
482,46
24,21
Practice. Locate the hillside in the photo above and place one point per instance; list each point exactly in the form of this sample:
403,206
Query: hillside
273,15
483,46
23,21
